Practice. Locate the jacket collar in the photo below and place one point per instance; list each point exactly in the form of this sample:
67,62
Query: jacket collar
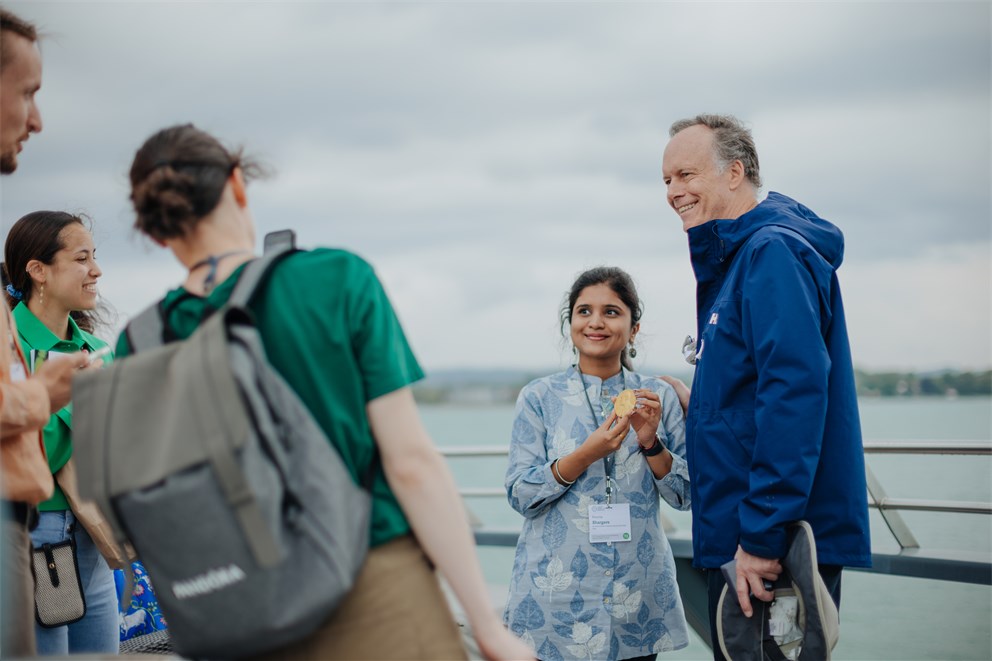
36,334
713,245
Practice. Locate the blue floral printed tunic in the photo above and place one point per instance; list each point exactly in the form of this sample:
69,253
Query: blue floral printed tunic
571,598
143,615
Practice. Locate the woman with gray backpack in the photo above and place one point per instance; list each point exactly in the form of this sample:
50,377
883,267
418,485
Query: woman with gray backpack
328,329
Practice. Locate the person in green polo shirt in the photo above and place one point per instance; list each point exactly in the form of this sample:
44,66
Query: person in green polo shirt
51,264
328,328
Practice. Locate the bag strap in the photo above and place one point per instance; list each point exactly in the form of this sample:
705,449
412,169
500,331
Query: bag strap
53,574
255,273
145,330
148,329
220,425
368,477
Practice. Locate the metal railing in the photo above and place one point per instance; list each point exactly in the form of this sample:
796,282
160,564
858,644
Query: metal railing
910,561
886,505
889,507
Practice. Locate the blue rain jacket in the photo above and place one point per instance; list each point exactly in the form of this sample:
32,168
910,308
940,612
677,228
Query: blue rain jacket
772,432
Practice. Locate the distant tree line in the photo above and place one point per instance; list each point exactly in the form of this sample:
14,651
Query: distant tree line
482,387
910,384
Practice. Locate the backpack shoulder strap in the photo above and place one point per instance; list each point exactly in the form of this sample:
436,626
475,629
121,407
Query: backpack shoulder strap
147,329
255,273
277,245
144,331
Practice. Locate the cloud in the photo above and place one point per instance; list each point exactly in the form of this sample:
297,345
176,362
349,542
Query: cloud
906,313
482,154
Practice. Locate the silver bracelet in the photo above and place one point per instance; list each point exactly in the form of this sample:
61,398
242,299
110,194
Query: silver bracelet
554,469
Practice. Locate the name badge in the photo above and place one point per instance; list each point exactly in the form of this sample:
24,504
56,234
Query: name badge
609,523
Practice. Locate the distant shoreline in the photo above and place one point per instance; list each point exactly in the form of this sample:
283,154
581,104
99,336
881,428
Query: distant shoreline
492,386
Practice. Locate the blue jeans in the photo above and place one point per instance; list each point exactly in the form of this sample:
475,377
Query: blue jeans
99,630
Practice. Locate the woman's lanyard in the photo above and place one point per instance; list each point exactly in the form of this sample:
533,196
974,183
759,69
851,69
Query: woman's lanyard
609,460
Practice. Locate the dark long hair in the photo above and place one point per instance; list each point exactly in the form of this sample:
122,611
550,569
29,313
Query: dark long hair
38,236
622,285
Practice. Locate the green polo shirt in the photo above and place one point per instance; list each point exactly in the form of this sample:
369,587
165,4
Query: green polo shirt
34,335
328,328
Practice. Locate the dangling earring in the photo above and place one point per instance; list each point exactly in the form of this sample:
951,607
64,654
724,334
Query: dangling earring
41,294
632,352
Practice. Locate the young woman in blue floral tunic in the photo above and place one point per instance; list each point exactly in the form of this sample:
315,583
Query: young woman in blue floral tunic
576,465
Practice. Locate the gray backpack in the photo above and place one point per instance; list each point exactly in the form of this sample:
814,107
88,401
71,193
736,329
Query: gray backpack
250,526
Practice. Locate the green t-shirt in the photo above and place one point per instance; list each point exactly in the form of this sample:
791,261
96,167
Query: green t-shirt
35,336
328,328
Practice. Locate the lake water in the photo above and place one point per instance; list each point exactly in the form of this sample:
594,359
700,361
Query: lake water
882,617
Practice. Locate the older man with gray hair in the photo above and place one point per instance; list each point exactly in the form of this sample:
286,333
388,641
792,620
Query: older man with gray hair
773,434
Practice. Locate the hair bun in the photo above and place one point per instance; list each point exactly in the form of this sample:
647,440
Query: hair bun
164,203
178,178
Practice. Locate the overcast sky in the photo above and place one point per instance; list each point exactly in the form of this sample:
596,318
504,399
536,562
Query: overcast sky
480,155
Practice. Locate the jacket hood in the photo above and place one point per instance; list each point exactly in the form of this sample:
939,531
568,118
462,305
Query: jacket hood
719,240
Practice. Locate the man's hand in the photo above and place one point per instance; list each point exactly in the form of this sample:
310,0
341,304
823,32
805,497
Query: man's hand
751,571
56,375
681,390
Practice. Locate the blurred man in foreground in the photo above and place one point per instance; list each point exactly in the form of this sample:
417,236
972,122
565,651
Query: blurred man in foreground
25,403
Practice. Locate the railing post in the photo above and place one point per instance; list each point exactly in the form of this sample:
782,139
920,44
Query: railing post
892,518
